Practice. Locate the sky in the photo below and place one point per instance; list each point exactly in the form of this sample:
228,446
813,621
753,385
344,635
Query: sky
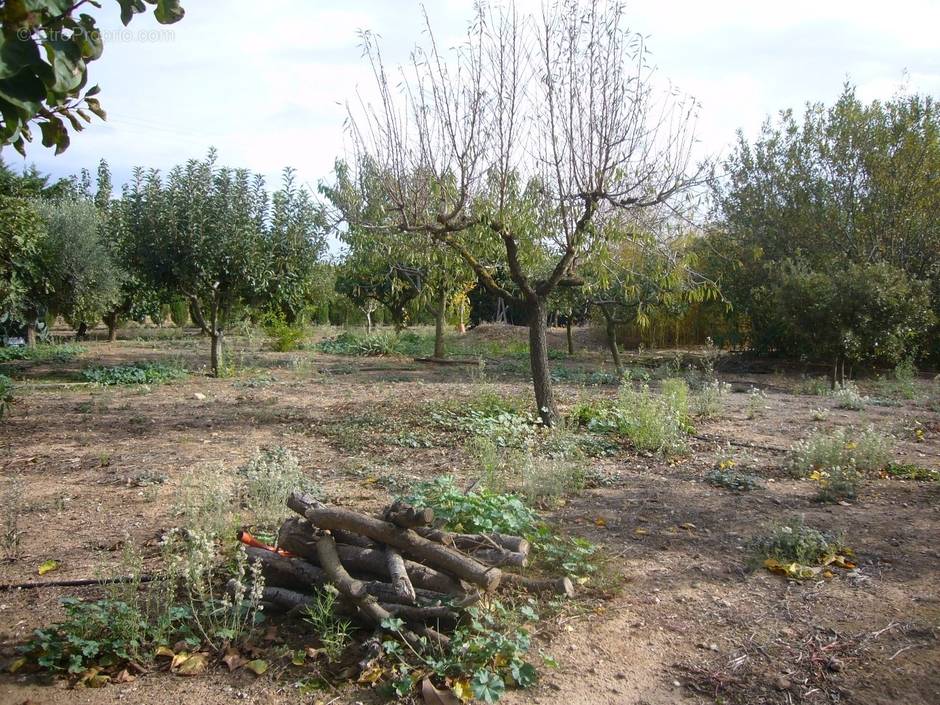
265,83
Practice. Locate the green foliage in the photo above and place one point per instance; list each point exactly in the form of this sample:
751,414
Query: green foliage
44,61
813,386
21,234
709,399
137,373
490,416
479,511
6,394
837,483
569,555
816,265
356,344
868,451
62,352
179,312
911,471
902,384
795,542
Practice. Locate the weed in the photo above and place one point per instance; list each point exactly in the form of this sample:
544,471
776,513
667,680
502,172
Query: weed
813,386
910,471
847,396
820,414
333,633
138,373
267,481
902,384
756,402
492,416
707,403
795,542
479,511
572,556
865,452
837,483
11,504
205,499
724,475
653,423
350,343
283,337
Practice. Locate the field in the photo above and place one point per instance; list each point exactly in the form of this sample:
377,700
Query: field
679,611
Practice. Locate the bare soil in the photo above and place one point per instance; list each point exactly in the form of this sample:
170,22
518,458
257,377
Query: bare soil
689,620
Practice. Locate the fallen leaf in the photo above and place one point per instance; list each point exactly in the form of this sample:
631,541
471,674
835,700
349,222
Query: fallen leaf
193,665
462,689
233,659
125,677
48,566
16,665
600,521
258,666
688,526
640,531
164,651
436,696
371,675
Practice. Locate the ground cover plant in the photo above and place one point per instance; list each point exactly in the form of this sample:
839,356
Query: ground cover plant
137,373
46,352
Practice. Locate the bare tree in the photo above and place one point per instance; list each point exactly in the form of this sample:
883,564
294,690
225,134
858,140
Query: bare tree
513,148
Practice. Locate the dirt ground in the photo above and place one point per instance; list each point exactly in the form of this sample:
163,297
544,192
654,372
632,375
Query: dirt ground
690,621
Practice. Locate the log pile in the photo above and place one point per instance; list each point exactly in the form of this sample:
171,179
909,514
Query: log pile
394,565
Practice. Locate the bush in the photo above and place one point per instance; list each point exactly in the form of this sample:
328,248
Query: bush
902,384
813,386
709,400
724,475
284,337
836,484
653,423
479,511
137,373
179,312
865,452
350,343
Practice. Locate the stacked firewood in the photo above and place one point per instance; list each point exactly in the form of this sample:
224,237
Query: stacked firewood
394,565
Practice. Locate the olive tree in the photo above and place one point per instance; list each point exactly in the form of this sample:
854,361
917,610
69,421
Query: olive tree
522,141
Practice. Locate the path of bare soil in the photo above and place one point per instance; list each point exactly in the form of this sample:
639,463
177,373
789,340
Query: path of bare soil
691,621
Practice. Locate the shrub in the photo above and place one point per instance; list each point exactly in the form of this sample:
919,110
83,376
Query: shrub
179,312
479,511
284,337
756,402
350,343
137,373
651,422
865,452
205,500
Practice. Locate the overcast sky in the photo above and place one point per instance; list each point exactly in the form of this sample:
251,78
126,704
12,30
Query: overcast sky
265,82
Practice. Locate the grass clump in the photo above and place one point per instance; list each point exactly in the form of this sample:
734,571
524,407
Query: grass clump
836,484
46,352
361,345
334,633
137,373
813,386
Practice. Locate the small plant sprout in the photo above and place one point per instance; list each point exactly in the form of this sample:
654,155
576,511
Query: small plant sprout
756,402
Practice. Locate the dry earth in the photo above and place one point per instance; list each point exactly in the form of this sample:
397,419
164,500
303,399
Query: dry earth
689,623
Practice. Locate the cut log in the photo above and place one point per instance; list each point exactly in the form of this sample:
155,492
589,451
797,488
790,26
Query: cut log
408,517
296,573
405,540
296,537
399,576
353,589
292,600
558,586
473,542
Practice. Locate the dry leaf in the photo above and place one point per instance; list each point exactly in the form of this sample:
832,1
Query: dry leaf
436,696
600,521
16,665
688,526
462,689
233,659
164,651
125,677
371,675
189,664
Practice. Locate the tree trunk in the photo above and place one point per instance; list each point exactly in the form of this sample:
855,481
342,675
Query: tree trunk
82,331
216,359
31,334
112,324
439,323
368,322
538,361
568,334
611,328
